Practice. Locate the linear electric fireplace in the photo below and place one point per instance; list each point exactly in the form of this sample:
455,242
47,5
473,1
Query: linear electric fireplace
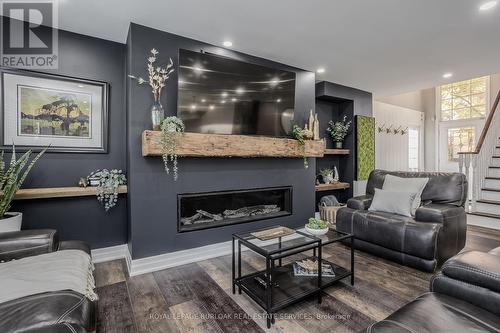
215,209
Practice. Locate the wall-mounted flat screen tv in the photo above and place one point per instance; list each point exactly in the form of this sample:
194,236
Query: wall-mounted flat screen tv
221,95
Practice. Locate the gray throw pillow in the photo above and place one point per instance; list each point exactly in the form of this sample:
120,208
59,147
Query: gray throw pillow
410,185
392,202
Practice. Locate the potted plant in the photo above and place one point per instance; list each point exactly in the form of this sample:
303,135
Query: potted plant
158,77
317,227
327,175
11,179
171,129
338,131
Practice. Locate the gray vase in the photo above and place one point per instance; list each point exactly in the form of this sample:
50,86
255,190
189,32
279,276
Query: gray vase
157,115
338,144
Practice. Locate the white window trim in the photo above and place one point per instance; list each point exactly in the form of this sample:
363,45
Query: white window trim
457,123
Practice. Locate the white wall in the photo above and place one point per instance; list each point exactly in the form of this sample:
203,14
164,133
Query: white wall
391,150
425,101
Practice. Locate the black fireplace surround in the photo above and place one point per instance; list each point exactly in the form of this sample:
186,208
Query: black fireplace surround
196,211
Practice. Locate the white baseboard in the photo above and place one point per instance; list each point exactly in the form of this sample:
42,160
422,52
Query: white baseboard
483,221
178,258
110,253
162,261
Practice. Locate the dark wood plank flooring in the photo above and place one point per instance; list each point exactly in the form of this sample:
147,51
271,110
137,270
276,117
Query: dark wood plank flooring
198,298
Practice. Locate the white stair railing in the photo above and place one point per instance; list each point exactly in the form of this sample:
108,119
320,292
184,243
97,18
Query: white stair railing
475,164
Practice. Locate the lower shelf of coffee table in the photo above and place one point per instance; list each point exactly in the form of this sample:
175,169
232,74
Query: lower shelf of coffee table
288,288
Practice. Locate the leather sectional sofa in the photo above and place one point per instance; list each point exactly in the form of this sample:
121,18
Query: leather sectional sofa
436,233
59,311
463,297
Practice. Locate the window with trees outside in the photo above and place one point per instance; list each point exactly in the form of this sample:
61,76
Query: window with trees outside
463,107
464,100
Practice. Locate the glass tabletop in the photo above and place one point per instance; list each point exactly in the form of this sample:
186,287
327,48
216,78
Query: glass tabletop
333,236
294,241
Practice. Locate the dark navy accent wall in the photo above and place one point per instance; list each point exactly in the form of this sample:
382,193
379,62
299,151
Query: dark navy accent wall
83,218
152,198
333,101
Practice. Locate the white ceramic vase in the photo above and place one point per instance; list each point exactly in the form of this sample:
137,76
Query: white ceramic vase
11,222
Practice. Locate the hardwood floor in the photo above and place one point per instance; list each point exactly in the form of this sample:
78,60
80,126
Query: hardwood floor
198,298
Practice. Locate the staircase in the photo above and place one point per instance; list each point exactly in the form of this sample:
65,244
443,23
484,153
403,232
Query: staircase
482,166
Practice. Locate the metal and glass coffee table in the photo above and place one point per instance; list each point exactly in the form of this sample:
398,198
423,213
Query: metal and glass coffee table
277,286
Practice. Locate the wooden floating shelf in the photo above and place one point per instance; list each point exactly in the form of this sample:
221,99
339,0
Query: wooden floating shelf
59,192
333,186
337,152
221,145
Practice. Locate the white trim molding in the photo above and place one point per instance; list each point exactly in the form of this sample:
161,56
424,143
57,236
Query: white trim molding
177,258
162,261
109,253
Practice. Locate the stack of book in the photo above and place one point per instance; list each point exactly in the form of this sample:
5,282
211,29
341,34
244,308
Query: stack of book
310,268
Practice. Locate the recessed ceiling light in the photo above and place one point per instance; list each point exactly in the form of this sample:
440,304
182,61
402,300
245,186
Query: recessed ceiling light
233,99
240,90
224,94
274,82
227,43
447,75
278,100
223,101
203,100
81,86
197,69
320,70
211,107
488,5
193,107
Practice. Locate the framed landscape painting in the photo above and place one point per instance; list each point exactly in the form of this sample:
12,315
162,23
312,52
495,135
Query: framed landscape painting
43,110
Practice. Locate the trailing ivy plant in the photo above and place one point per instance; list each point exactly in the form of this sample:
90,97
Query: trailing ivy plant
298,134
171,128
107,190
13,177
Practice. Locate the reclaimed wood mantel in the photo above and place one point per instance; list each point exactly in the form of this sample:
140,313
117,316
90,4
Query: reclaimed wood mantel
222,145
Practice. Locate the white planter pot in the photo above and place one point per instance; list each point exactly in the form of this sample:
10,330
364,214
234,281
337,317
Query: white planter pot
11,222
316,232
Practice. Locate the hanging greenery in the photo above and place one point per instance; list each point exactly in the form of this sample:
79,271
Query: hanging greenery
107,188
299,135
171,128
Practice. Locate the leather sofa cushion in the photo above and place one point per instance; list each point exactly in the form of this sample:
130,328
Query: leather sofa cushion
58,328
474,267
441,188
433,312
495,251
395,232
74,245
39,310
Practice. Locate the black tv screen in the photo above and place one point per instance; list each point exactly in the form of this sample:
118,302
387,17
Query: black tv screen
226,96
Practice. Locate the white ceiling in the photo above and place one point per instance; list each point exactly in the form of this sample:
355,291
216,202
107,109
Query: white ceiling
383,46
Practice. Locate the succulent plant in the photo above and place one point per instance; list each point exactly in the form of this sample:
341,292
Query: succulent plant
107,190
171,127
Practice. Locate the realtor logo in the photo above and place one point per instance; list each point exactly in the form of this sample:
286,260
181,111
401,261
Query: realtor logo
29,34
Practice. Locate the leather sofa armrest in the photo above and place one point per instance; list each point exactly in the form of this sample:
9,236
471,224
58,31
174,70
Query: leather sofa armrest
25,243
361,202
476,268
438,213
